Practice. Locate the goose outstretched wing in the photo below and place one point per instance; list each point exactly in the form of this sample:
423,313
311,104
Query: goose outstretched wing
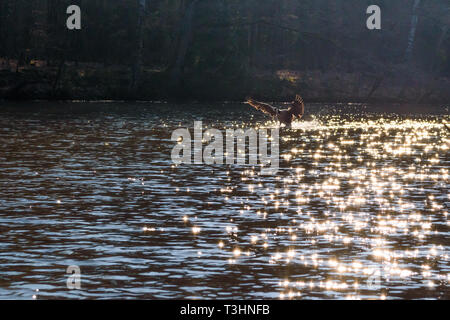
448,128
263,107
298,107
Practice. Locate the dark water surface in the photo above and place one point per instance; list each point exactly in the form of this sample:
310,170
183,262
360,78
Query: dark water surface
359,208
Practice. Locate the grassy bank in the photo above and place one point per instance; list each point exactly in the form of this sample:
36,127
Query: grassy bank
88,81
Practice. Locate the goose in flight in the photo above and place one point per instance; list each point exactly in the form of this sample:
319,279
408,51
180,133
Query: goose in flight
286,116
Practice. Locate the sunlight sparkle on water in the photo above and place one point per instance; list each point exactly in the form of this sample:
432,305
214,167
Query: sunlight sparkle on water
362,191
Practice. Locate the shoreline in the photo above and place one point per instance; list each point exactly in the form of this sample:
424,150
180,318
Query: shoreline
313,108
92,82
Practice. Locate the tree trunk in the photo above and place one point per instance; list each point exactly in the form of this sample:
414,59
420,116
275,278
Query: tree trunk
252,35
185,39
59,74
52,27
2,16
439,45
412,30
137,63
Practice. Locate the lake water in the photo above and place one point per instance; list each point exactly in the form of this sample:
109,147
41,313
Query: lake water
358,209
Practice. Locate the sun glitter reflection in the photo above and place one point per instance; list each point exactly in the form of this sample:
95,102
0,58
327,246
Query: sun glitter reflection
355,203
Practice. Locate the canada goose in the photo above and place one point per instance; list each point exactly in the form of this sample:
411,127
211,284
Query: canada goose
285,116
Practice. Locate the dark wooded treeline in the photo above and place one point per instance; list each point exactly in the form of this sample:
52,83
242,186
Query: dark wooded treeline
219,49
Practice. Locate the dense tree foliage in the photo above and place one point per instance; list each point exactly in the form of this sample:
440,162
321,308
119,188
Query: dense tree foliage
201,41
